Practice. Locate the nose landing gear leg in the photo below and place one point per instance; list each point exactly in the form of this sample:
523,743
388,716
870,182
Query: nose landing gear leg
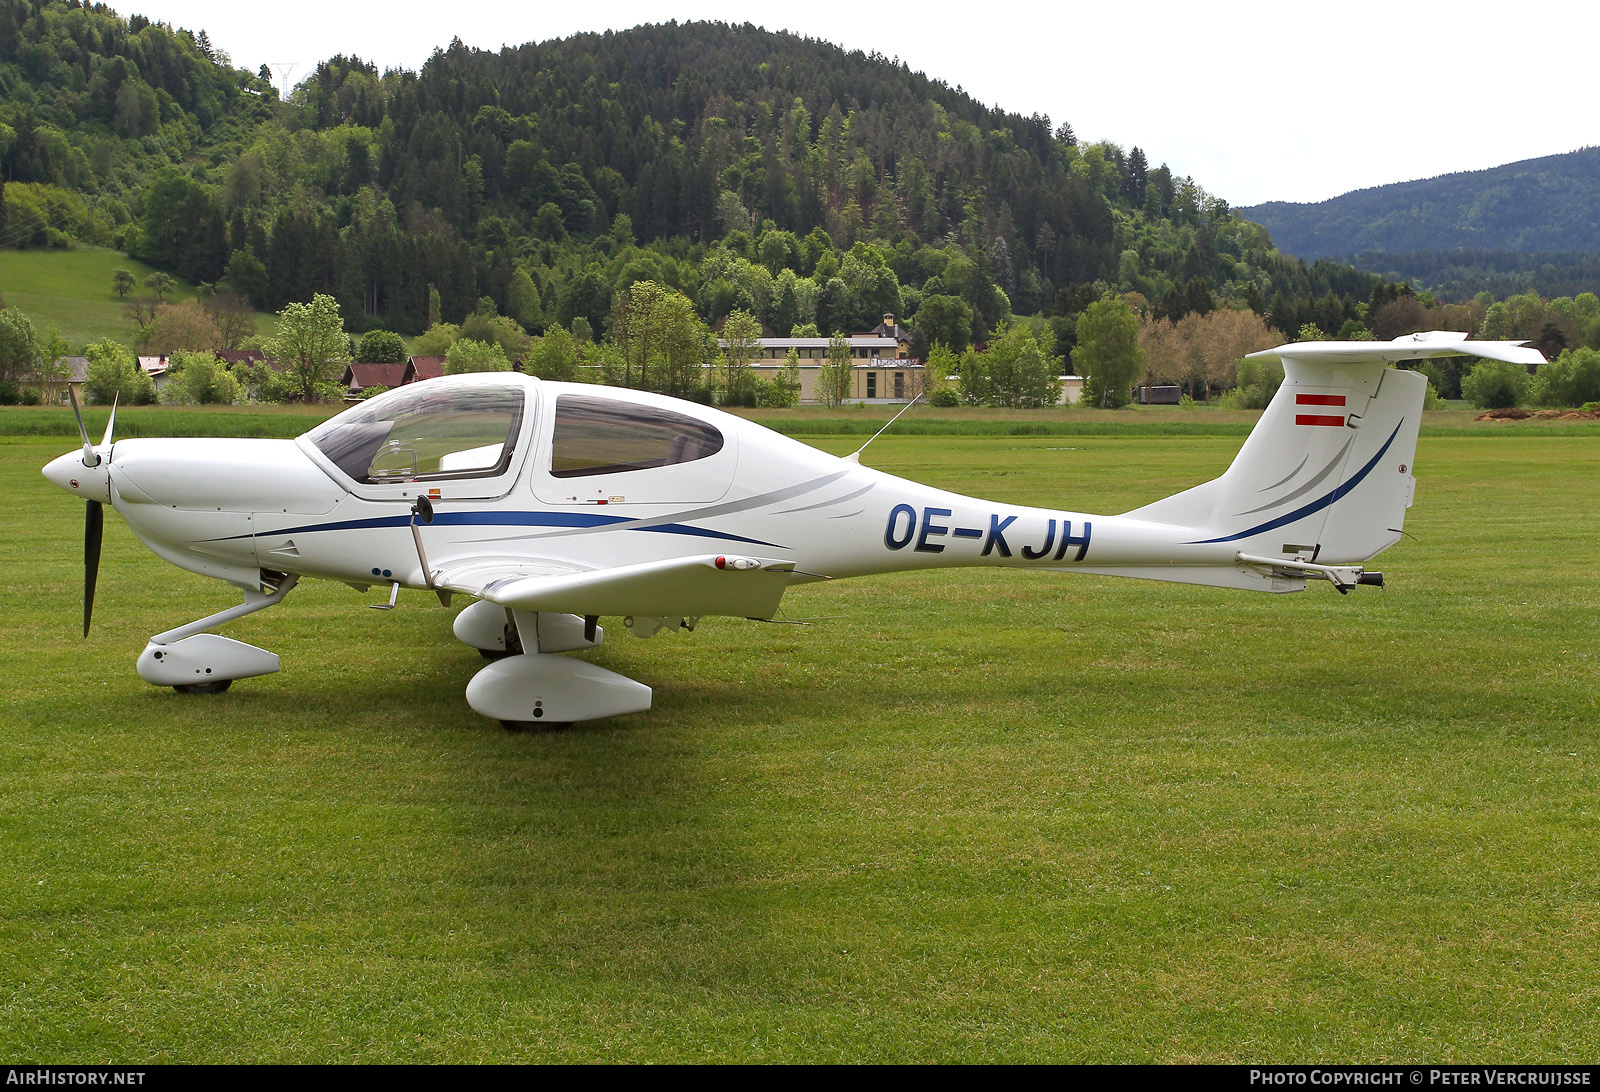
194,662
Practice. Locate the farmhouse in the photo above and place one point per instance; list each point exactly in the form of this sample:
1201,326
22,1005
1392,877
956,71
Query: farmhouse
74,373
358,377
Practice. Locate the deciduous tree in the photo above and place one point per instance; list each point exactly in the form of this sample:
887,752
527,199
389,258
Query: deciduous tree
835,376
178,326
248,275
381,347
311,346
53,367
470,355
160,283
662,344
487,325
1022,368
114,374
436,340
199,379
741,336
1572,379
936,372
1107,354
553,356
944,320
1201,350
783,390
234,318
141,310
1495,384
19,346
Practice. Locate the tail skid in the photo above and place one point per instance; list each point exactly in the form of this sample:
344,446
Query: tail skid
1323,482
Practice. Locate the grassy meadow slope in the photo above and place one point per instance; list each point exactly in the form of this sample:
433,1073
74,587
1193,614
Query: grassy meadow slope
70,290
968,815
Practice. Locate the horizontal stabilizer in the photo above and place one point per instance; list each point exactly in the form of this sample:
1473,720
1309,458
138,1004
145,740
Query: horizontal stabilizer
1407,347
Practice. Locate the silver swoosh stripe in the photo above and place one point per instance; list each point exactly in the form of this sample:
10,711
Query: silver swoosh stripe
723,509
1287,476
1338,460
835,500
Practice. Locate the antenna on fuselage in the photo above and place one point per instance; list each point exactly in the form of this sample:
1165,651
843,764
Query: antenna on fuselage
855,456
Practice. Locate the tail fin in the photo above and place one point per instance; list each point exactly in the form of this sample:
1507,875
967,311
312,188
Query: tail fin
1325,475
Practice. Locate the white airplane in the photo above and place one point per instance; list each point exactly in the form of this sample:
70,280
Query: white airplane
554,504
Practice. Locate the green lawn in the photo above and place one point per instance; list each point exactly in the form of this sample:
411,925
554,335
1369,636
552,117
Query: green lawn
969,815
70,291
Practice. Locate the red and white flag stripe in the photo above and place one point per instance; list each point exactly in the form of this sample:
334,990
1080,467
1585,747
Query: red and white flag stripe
1333,420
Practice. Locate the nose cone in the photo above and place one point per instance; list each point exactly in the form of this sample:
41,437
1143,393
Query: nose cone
90,482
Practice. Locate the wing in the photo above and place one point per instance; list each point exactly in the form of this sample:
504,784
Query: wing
745,587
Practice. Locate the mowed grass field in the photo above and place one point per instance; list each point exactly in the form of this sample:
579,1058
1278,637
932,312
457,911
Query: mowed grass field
966,816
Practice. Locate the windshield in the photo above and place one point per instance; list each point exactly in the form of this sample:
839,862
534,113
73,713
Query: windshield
439,428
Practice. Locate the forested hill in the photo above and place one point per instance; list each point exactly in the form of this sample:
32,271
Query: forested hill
1535,206
742,167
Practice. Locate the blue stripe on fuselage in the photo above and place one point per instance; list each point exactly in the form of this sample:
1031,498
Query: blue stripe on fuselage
511,519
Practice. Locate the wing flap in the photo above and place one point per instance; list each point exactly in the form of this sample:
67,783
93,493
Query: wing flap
743,587
480,576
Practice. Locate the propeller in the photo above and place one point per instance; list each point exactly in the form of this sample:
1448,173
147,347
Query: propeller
94,522
91,457
111,422
94,517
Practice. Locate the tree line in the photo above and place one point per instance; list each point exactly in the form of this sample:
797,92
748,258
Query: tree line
742,168
741,171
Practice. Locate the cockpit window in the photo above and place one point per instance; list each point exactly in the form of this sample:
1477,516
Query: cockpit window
604,436
434,429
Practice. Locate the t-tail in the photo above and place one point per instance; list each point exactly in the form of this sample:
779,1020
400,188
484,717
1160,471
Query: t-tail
1323,482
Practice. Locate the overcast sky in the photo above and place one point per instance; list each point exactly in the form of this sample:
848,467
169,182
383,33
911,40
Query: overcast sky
1258,101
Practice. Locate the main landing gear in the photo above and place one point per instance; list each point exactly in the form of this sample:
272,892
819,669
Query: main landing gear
194,662
529,687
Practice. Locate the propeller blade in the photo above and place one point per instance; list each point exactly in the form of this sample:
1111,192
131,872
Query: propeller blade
94,522
111,424
90,457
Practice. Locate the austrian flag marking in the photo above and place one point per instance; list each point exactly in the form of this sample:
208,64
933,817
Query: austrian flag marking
1335,420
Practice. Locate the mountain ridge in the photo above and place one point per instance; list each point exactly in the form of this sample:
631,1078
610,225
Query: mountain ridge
1547,204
